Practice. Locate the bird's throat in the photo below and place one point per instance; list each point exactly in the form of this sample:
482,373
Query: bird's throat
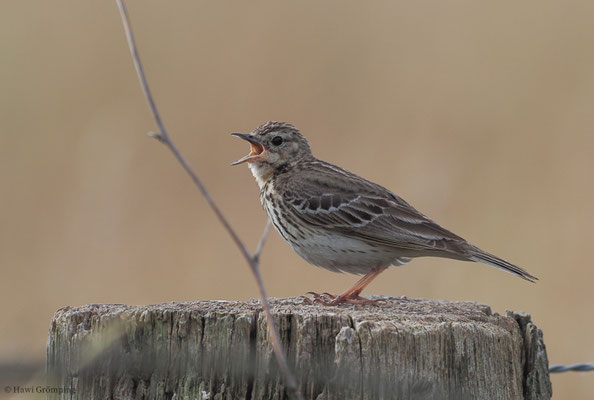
262,172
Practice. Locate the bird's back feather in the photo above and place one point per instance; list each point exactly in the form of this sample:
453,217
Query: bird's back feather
326,197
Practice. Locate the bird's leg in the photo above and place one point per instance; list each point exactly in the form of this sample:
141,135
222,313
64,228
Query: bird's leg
362,283
351,296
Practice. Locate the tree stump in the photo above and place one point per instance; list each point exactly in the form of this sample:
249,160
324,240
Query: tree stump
397,349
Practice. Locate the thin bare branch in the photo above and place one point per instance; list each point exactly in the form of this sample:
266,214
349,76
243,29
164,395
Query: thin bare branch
252,260
262,241
156,136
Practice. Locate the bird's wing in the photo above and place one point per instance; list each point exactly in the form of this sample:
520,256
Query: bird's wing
357,208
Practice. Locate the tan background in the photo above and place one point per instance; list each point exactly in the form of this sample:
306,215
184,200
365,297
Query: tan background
481,115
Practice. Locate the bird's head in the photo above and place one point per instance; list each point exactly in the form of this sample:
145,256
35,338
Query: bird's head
273,145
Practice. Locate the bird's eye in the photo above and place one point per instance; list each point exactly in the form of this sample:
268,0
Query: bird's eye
277,140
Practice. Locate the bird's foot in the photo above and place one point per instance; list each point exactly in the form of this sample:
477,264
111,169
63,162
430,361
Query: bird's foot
328,299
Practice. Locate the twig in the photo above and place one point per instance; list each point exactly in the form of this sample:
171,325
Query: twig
262,241
253,260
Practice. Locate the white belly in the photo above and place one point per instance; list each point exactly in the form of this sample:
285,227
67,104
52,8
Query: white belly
342,254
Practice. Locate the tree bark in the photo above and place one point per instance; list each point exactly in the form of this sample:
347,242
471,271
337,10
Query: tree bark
397,349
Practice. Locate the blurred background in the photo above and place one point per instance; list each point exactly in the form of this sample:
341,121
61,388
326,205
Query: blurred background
479,114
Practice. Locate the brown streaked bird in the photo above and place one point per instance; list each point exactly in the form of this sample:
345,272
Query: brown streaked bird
339,221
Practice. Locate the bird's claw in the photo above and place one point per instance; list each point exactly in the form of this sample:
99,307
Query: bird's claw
328,299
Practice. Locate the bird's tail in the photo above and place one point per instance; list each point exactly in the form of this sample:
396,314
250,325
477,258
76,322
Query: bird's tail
482,256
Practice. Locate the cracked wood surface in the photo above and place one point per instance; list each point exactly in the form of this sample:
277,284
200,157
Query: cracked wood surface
398,349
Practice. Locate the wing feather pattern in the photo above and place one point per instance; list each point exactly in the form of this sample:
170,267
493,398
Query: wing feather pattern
363,210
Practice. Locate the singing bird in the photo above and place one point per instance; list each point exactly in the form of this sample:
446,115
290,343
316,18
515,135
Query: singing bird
339,221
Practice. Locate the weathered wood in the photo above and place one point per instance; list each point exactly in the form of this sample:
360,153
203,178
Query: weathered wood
399,349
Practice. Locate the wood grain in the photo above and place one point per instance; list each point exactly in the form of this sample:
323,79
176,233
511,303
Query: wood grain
397,349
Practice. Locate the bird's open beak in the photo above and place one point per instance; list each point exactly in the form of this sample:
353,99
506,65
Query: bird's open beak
255,146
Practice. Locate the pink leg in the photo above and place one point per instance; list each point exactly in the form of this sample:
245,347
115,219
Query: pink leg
351,296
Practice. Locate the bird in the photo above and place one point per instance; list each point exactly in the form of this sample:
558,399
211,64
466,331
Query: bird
340,221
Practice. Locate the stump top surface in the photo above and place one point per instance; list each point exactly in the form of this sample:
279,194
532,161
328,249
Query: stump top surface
394,309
